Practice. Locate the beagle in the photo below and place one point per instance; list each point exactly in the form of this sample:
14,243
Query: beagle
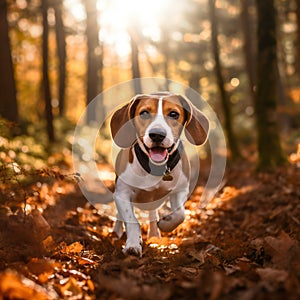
152,166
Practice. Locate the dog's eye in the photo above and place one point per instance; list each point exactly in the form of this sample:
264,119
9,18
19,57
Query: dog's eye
145,115
173,115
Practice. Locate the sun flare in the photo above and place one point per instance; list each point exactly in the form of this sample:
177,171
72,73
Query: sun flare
118,17
123,14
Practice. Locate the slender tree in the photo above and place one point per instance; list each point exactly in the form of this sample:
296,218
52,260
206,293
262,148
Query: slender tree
135,64
61,53
249,44
269,147
194,78
45,67
8,103
298,36
94,57
220,81
166,53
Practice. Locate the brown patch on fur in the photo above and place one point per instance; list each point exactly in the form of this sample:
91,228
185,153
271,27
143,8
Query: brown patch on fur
131,155
122,161
150,105
185,165
150,196
173,104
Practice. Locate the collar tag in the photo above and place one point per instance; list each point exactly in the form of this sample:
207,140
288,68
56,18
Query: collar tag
167,176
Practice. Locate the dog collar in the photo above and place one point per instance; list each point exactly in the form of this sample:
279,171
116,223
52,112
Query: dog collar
163,170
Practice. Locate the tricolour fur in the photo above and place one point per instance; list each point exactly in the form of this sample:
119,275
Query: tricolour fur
153,167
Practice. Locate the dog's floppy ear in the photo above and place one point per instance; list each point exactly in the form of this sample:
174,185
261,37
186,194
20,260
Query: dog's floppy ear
197,124
121,125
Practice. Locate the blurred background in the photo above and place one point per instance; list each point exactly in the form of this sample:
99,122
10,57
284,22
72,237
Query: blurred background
57,55
241,56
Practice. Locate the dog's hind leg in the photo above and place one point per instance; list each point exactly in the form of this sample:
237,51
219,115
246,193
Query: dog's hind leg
153,229
176,217
118,228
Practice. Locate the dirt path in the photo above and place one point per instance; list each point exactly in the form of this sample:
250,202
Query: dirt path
243,245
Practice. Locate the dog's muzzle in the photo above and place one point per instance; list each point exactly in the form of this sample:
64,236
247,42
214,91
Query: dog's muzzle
158,153
157,135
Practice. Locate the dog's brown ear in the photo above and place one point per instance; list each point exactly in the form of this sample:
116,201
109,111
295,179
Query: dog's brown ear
122,126
197,124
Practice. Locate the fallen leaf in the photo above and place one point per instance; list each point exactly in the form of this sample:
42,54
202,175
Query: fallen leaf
282,249
13,286
71,288
189,271
44,269
230,269
198,255
86,261
90,285
272,275
48,243
41,265
76,247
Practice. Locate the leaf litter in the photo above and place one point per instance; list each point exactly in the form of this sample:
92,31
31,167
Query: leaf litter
244,244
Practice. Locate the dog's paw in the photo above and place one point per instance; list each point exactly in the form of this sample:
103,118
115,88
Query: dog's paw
171,221
133,250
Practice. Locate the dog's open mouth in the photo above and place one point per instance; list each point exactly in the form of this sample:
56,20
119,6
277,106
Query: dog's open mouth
158,154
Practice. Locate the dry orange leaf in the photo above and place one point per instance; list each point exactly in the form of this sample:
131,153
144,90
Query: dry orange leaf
90,285
85,261
283,250
76,247
13,286
71,288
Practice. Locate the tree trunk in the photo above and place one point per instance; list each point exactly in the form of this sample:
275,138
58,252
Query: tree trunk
220,81
249,50
93,57
101,81
194,81
298,37
165,50
61,53
45,67
269,148
8,103
135,65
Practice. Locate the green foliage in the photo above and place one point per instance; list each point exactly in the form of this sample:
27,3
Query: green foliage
26,163
23,150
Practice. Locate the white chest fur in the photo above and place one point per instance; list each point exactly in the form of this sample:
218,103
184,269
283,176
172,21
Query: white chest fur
148,191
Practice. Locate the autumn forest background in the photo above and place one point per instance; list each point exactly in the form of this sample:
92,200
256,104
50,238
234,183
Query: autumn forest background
241,56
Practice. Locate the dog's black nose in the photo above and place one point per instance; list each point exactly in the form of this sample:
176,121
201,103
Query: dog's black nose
157,134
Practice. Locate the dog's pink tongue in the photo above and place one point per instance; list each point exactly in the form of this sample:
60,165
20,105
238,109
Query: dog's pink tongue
158,154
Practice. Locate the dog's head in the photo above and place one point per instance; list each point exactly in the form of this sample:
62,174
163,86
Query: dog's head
156,121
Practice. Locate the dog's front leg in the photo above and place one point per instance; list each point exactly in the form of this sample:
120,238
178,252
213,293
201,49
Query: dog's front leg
126,213
171,221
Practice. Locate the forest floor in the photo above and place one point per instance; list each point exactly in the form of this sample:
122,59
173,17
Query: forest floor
243,245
